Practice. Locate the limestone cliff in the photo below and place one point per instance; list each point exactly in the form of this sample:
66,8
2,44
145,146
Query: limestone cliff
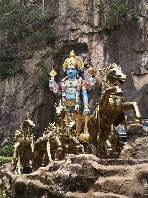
77,28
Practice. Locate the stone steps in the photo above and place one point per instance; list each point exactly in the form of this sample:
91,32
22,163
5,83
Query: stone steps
93,195
106,195
106,171
75,195
110,184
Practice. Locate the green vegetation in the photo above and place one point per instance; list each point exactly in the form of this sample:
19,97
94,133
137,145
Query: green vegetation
115,13
7,150
18,22
8,64
50,51
43,72
4,160
6,154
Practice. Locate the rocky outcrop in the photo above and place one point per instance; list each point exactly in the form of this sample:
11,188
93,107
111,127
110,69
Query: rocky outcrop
137,143
83,176
24,93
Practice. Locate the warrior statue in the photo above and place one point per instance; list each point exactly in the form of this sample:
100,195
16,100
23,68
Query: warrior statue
74,91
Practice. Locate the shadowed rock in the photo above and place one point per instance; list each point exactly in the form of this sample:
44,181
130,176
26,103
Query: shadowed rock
137,143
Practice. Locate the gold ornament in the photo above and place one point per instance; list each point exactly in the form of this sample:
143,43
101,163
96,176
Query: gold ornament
90,70
70,103
53,73
86,105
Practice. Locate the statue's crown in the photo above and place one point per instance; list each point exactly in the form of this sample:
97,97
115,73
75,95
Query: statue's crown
73,60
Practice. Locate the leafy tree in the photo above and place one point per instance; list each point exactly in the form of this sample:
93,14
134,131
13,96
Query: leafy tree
8,64
17,22
43,74
115,13
7,151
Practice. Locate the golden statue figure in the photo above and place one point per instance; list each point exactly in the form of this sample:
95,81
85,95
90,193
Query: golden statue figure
109,112
23,145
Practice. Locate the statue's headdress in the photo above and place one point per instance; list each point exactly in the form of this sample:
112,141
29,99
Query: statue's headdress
73,60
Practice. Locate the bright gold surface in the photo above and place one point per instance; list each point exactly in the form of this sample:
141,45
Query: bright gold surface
53,73
109,112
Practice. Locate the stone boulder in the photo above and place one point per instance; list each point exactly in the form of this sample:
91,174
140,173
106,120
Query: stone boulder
137,143
80,176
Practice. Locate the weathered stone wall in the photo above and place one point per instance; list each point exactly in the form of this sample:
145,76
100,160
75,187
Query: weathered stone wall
24,93
79,24
132,56
77,29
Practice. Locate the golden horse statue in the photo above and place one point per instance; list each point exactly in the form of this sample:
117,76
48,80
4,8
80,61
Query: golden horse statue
23,145
58,140
109,112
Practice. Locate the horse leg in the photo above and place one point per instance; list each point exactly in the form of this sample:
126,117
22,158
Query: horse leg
59,150
77,145
101,150
19,164
108,147
48,151
134,106
15,159
34,157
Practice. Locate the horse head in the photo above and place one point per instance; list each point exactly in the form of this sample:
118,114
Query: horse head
114,75
27,126
59,111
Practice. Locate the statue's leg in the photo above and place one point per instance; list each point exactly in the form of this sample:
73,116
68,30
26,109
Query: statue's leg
59,150
78,120
134,106
113,139
76,144
108,147
19,164
86,119
15,159
93,128
101,150
48,150
66,119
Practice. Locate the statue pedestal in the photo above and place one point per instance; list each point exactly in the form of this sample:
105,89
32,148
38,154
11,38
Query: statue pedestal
137,143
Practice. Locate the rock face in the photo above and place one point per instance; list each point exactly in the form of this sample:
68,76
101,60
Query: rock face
23,93
83,176
77,29
137,143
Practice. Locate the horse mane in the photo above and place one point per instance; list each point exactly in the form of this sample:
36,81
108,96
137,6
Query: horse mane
103,74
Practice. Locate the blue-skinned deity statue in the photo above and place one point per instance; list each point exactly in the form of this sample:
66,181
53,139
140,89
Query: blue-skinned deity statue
74,91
